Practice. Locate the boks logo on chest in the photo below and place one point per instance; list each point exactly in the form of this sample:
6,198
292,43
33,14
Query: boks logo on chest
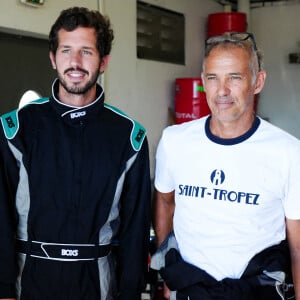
78,114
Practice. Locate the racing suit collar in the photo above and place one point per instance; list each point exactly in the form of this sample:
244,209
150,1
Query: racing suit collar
73,113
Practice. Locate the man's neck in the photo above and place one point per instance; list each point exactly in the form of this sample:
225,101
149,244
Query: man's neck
78,100
231,129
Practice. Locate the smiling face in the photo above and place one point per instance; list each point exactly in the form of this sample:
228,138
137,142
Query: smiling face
78,62
230,85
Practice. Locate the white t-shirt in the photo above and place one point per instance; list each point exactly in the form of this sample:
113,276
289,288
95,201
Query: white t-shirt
232,196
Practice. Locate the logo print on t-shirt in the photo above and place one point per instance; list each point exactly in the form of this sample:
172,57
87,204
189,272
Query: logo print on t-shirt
217,192
217,177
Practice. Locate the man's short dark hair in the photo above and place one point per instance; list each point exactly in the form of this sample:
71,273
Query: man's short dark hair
71,18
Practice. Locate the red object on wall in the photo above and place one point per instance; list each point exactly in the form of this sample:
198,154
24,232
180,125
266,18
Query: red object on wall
190,100
219,23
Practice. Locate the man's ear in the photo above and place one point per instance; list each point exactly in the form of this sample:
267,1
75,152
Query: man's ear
52,59
104,63
260,81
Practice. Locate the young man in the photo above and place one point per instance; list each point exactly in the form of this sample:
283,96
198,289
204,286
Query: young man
228,186
74,180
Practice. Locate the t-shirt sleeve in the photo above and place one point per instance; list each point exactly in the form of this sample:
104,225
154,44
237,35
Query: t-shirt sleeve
163,182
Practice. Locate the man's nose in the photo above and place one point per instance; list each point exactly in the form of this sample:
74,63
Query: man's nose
75,59
223,88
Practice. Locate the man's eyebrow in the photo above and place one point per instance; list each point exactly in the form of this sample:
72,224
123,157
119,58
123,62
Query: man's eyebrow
83,47
228,74
209,74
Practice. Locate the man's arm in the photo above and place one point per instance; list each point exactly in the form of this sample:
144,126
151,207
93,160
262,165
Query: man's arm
163,212
9,176
293,235
135,215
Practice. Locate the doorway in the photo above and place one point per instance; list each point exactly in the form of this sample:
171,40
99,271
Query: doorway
24,65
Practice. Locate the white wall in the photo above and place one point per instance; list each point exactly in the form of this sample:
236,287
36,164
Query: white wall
277,32
17,17
143,88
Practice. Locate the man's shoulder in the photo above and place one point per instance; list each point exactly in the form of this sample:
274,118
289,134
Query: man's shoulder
10,121
136,130
277,133
185,128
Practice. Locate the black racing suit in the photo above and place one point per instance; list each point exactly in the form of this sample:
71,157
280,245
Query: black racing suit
72,179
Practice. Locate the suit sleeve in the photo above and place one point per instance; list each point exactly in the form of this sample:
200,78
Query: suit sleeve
8,183
135,226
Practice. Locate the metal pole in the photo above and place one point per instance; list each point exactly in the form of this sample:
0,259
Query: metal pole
244,6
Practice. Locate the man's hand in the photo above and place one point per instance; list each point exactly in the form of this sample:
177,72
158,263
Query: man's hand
166,291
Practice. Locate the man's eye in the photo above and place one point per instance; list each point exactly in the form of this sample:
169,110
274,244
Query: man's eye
86,52
211,77
236,77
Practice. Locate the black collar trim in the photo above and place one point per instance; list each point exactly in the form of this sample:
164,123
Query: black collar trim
233,141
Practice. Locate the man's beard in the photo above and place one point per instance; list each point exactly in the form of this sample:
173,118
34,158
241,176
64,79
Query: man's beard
76,88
